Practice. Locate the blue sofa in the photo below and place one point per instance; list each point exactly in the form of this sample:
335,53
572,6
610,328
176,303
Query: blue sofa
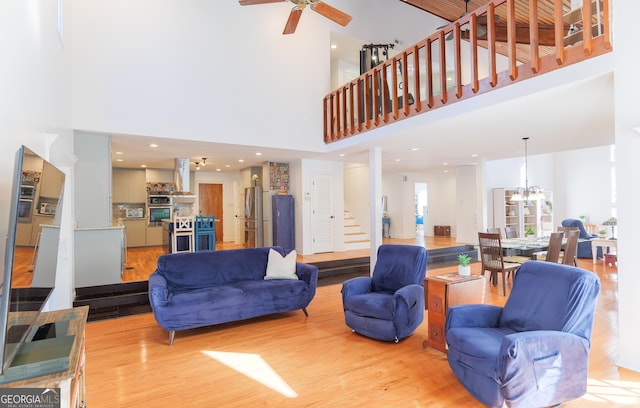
584,243
189,290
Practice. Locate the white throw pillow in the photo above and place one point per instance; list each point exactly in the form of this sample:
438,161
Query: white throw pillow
279,267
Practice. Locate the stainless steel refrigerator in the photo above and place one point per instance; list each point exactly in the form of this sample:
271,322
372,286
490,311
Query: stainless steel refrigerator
253,218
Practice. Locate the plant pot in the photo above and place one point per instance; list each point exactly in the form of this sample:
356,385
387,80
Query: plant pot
464,270
531,237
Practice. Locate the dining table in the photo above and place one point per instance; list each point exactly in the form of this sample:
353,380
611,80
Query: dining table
524,248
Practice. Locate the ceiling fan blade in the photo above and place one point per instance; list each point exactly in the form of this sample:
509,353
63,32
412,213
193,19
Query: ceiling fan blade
331,13
292,21
252,2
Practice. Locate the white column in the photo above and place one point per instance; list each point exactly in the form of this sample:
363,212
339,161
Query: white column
375,200
626,91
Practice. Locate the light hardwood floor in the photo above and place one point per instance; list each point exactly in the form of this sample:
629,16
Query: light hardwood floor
289,360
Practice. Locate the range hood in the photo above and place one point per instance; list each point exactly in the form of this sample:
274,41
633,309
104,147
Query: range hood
181,177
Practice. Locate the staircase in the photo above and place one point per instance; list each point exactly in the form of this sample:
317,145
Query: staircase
354,238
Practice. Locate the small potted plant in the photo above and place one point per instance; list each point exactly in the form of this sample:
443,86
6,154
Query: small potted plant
464,269
602,233
531,233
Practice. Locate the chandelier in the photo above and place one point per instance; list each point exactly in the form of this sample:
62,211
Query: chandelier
527,193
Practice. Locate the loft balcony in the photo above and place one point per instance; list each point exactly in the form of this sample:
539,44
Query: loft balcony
501,43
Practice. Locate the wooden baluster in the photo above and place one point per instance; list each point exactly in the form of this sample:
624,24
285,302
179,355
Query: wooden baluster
367,100
394,93
352,129
405,85
511,40
473,39
429,73
457,65
385,91
345,130
586,27
534,36
559,31
376,96
362,105
443,69
416,78
324,120
491,40
605,23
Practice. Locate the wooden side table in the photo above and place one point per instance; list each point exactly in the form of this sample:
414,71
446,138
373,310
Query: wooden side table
70,381
446,290
442,230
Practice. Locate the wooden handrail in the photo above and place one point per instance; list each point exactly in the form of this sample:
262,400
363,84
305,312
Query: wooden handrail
373,99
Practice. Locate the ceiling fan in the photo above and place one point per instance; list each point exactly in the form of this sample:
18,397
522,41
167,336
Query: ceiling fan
481,22
318,6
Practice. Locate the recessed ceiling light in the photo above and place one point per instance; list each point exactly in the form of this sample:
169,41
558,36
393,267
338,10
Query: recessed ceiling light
153,145
119,160
341,155
143,165
227,165
445,164
415,149
258,154
333,46
119,153
241,160
397,160
474,155
217,169
446,171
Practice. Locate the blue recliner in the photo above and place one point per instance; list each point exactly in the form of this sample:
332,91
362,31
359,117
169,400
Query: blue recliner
534,351
584,247
389,305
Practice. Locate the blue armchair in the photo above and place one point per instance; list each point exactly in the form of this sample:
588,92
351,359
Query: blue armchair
389,305
584,244
534,351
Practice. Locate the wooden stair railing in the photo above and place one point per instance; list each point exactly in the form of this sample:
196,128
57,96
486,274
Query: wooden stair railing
374,99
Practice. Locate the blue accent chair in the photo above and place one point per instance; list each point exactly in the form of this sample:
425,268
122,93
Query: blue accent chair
389,305
534,351
584,244
205,233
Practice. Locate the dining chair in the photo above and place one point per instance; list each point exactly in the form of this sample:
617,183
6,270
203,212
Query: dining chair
182,230
492,259
555,246
510,232
493,230
571,248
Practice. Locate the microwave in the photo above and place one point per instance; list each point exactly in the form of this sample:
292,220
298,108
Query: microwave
156,200
48,209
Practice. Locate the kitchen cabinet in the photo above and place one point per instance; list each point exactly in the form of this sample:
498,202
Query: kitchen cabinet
23,234
135,232
52,181
36,227
128,186
154,235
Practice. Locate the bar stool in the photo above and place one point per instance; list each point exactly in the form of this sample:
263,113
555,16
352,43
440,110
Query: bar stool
182,227
205,238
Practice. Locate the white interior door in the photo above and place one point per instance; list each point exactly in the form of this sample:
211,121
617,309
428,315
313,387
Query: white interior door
322,214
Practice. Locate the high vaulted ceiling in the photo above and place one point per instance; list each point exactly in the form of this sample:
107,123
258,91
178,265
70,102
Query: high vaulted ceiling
574,110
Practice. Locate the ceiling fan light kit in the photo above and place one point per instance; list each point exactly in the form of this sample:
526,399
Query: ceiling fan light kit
320,7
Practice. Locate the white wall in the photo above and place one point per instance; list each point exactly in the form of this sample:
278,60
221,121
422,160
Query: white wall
160,68
583,180
356,194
